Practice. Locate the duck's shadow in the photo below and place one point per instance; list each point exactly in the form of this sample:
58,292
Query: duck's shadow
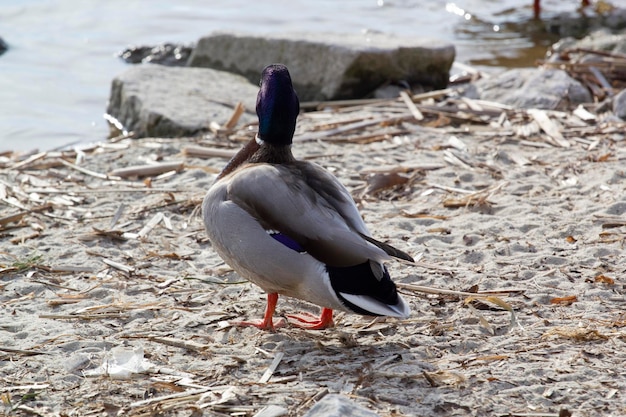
355,347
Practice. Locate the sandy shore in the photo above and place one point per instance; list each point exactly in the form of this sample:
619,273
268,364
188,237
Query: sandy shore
95,271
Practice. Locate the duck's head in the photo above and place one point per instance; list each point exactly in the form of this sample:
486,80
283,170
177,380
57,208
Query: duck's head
277,106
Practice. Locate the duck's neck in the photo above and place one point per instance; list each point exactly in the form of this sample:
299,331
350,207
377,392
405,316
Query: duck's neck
257,151
271,154
240,158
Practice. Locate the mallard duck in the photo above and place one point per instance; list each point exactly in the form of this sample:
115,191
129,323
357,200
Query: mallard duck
537,6
292,228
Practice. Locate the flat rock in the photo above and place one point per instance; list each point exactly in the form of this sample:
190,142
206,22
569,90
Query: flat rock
330,66
600,40
154,100
334,405
540,88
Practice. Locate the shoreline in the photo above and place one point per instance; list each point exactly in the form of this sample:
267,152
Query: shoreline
64,118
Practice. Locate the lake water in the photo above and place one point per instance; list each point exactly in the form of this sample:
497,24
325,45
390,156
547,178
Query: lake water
56,76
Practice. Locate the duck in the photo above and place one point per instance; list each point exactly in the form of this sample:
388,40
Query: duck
290,227
537,7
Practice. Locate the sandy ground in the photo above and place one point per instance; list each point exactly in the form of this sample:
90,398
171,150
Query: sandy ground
97,271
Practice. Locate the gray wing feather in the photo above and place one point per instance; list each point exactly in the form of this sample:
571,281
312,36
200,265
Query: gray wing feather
307,204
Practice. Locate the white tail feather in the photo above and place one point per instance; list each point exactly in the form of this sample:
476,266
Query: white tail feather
400,310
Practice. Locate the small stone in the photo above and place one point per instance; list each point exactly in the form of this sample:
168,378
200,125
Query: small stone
334,405
76,362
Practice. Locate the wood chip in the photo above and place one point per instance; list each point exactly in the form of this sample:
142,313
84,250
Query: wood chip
29,160
147,170
25,352
26,387
272,368
457,143
584,114
454,159
74,269
88,171
441,291
206,152
96,316
472,104
353,126
117,215
154,221
234,118
119,266
412,107
185,344
548,126
186,394
13,218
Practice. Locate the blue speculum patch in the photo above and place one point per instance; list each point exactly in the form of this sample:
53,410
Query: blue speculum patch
287,241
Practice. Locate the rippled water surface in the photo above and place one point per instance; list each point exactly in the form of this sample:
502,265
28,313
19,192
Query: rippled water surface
55,78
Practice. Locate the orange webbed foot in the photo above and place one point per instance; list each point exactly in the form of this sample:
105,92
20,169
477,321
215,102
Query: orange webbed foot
261,324
268,322
311,322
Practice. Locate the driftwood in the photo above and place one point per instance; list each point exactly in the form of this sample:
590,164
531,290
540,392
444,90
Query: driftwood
147,170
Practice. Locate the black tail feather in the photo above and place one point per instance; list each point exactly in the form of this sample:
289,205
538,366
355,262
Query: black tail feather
361,280
390,250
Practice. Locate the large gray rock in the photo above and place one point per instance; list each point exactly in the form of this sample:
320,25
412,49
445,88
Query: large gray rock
153,100
533,88
600,40
334,405
330,66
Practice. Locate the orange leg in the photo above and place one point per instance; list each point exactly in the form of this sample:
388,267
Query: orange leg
310,322
536,8
267,323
